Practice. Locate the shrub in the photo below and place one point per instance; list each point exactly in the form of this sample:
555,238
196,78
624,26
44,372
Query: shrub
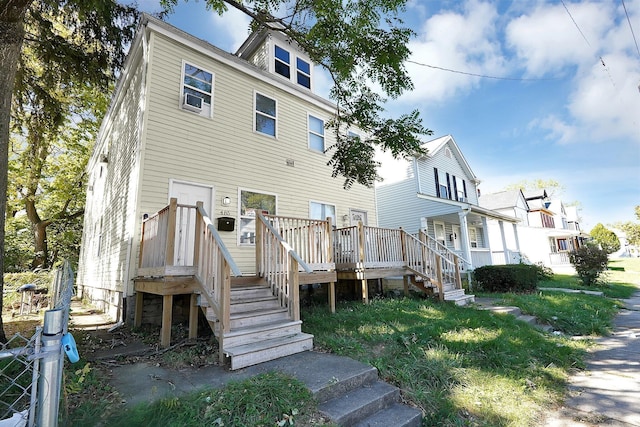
507,278
544,272
589,261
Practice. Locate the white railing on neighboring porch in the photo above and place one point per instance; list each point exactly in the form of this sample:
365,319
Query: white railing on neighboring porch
559,258
279,264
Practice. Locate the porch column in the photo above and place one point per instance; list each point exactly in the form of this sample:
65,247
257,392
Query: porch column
504,243
464,230
515,234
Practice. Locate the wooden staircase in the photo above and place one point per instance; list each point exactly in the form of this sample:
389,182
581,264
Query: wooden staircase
260,329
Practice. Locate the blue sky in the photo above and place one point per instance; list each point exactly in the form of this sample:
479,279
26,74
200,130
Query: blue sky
566,106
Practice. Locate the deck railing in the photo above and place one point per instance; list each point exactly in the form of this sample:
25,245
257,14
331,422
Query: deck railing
311,239
280,265
168,237
215,266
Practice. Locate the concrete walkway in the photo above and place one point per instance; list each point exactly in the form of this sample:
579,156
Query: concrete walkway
607,393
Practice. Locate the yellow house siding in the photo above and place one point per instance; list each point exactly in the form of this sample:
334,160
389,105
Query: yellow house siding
226,152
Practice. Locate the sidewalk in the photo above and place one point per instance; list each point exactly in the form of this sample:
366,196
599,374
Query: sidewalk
607,393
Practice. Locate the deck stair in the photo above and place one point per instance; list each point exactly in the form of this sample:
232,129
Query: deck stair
260,329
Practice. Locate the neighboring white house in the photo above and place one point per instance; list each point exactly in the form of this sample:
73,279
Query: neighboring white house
438,193
240,132
548,230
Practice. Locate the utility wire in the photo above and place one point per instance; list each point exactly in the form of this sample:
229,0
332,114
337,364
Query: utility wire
477,75
630,27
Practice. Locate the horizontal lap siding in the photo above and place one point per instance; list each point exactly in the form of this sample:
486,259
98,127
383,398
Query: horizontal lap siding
226,153
113,195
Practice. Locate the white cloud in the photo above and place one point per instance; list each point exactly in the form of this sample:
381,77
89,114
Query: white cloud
232,26
462,41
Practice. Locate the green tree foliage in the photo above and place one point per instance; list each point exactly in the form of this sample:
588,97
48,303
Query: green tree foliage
631,229
606,238
590,262
362,45
77,42
553,187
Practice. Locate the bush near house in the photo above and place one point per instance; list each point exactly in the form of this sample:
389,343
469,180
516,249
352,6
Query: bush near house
507,278
590,262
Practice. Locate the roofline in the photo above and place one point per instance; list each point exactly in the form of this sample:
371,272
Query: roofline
471,207
464,160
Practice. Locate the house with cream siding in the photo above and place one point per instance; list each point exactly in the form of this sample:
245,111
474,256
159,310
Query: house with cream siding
438,193
242,133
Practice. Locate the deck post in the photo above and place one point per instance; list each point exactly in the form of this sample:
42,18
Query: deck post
456,264
171,232
405,283
405,278
294,291
259,246
439,276
332,285
141,252
165,331
332,296
361,263
198,235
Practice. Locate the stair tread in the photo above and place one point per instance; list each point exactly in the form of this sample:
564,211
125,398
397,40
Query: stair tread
262,327
396,415
356,403
266,344
251,313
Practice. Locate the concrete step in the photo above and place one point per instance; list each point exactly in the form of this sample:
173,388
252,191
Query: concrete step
360,403
396,415
453,293
262,351
461,299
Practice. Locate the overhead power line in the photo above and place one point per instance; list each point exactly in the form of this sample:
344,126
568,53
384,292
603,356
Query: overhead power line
630,27
484,76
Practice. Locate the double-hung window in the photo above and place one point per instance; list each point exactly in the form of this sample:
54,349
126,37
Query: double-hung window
265,115
197,90
316,134
303,73
250,203
473,237
282,62
322,211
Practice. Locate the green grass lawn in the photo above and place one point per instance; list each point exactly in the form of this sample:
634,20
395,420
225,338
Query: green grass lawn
461,366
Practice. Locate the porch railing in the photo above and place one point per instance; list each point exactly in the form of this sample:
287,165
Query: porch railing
214,268
280,265
311,239
559,258
168,237
362,246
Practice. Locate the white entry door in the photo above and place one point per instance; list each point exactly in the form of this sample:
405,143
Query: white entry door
357,216
188,193
456,238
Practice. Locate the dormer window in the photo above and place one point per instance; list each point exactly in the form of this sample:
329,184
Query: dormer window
282,64
284,60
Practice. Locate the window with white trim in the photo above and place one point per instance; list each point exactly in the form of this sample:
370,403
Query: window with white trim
265,115
322,211
473,237
250,203
316,134
197,90
284,60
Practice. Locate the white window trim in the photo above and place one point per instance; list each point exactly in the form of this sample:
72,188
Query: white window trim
240,216
444,232
294,54
181,92
309,132
335,208
473,237
255,111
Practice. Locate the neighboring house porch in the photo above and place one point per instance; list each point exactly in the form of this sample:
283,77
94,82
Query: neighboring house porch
464,229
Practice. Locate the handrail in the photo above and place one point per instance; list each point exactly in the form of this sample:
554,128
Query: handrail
279,264
443,247
223,248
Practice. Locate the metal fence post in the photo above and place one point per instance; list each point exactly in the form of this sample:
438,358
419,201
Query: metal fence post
49,384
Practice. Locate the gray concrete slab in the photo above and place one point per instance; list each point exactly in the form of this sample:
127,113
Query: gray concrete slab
144,382
608,391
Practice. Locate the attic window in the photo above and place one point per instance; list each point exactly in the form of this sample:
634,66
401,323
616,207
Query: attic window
282,62
304,73
447,152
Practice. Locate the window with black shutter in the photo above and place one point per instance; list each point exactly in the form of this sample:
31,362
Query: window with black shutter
455,188
464,188
435,173
449,186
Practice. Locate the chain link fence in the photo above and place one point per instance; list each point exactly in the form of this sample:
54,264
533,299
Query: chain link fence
31,368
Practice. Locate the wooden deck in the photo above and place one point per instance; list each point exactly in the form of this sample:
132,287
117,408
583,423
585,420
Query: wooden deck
182,253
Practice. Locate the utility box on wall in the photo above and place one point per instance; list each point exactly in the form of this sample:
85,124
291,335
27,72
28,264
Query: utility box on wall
226,223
